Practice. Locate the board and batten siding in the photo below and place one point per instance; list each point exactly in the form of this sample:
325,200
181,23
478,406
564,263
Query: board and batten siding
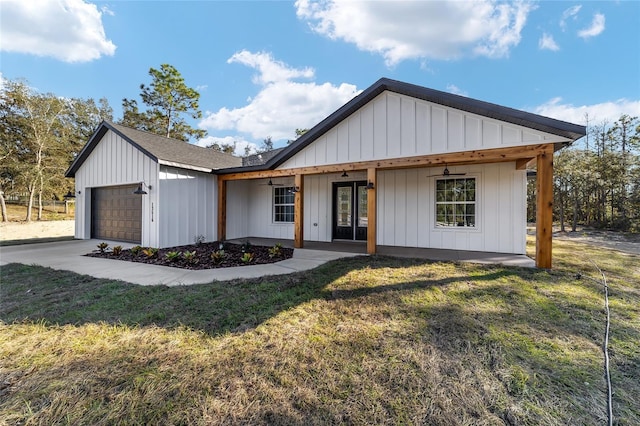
187,207
406,210
395,126
113,162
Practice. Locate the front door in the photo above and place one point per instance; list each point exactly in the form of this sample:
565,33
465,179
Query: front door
350,210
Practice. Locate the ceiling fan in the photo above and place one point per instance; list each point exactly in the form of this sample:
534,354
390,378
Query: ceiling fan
270,183
447,173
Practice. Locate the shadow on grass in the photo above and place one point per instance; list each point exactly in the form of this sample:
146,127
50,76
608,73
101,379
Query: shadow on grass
62,297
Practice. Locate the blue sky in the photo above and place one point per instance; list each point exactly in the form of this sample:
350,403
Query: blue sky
265,68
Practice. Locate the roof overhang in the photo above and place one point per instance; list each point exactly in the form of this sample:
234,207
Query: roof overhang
555,127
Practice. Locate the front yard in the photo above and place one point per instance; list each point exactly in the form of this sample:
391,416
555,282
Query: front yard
356,341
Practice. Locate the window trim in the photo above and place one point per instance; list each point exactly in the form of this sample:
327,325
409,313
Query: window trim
475,203
287,192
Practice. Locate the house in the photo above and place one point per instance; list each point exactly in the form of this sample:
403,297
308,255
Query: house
398,165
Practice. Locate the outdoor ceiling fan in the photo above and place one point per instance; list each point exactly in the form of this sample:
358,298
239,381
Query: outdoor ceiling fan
270,183
447,173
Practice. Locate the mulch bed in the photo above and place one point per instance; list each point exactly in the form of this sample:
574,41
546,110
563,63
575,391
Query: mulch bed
202,259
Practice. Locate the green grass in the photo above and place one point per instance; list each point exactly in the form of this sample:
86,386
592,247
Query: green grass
356,341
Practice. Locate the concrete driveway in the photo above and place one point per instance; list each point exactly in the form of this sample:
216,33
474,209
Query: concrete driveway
69,255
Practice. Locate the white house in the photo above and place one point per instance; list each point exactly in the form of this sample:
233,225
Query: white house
398,165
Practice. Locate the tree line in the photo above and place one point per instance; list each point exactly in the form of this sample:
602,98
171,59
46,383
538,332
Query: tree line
41,133
597,181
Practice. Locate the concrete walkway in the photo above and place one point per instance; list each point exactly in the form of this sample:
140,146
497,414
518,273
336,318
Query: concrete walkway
69,255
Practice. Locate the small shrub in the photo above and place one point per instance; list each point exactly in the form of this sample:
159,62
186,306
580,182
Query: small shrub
198,239
117,250
103,247
172,256
247,258
150,252
217,256
190,256
275,251
136,250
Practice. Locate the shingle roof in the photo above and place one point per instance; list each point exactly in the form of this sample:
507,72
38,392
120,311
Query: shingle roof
164,150
486,109
259,159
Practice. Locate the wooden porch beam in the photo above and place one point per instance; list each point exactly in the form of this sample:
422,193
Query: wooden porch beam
544,209
298,215
222,209
494,155
372,175
523,163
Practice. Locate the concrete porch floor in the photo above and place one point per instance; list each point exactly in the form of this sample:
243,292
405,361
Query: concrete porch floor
360,247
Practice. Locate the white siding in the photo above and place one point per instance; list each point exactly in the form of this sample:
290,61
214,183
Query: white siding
395,126
116,162
406,209
238,209
187,206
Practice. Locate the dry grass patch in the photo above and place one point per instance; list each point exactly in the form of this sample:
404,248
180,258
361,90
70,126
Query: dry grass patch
357,341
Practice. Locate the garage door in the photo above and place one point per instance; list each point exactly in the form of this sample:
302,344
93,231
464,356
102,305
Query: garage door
116,214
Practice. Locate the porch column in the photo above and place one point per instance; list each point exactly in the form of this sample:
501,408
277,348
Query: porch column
298,215
372,174
222,209
544,209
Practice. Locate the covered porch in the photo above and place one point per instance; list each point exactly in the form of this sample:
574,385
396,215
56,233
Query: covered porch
541,155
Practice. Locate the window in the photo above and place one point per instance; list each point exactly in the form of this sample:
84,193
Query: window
456,202
283,204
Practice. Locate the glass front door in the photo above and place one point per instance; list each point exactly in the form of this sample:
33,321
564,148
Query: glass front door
350,210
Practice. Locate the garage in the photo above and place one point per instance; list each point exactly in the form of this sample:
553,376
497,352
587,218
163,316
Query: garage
116,214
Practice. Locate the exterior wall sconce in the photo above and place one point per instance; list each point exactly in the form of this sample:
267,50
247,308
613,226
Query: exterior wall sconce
344,174
140,190
295,189
370,185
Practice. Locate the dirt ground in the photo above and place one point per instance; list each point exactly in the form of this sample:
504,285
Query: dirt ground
36,229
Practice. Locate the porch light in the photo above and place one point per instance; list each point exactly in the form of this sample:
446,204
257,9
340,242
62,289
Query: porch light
370,185
140,190
344,174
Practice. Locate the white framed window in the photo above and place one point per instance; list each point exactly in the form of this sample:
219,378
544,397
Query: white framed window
283,204
456,202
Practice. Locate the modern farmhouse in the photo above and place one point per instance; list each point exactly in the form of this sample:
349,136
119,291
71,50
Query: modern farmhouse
398,165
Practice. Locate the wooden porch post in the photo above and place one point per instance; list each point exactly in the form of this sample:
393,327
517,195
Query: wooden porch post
298,216
544,209
371,211
222,209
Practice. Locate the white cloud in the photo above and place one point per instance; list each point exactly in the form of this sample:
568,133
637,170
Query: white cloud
270,70
596,28
237,142
68,30
421,29
602,112
547,42
452,88
572,12
281,105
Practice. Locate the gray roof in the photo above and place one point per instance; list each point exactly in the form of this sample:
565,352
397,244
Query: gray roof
261,158
164,150
486,109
